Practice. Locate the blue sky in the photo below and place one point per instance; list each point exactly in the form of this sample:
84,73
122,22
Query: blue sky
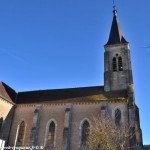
47,44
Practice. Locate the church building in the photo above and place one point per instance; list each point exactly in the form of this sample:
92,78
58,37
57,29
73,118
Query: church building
58,119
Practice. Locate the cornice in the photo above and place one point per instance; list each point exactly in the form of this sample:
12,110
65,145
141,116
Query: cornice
6,101
84,102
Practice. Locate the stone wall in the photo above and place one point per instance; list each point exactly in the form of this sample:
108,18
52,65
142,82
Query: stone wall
118,80
57,113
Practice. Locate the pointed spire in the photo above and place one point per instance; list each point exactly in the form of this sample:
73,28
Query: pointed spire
116,35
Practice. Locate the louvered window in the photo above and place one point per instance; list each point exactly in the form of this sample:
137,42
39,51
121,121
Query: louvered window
120,66
114,64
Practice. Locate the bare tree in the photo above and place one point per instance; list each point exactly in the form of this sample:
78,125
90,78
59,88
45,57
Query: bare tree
105,135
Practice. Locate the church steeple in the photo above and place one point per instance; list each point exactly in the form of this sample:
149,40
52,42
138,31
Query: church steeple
117,61
116,35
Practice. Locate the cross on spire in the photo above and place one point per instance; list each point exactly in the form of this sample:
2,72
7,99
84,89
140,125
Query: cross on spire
114,8
116,36
113,2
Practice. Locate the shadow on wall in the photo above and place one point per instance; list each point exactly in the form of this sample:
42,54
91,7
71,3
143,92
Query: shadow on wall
6,126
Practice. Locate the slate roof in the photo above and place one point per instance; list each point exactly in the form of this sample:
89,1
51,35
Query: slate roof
116,35
68,95
7,92
59,95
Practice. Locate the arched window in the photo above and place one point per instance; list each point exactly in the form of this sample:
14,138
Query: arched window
114,64
51,134
120,66
21,133
117,117
1,122
85,132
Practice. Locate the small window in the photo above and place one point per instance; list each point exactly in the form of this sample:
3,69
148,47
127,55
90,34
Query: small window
114,64
85,132
21,133
120,66
1,123
51,133
117,117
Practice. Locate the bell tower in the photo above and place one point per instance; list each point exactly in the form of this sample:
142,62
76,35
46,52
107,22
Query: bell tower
117,61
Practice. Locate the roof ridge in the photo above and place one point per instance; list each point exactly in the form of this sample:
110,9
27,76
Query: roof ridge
61,89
